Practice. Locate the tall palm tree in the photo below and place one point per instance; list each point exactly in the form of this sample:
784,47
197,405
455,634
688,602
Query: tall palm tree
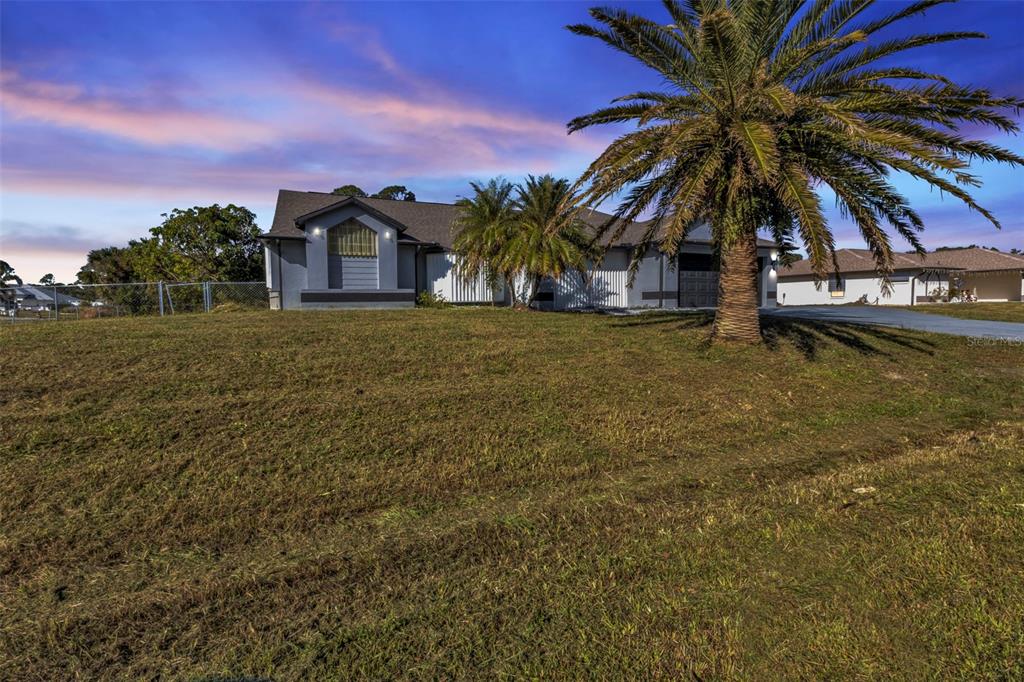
764,101
549,238
481,229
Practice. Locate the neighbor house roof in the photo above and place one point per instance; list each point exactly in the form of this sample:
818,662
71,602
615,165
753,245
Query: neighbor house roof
975,259
42,293
861,260
423,221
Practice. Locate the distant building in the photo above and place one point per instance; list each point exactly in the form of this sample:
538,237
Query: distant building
986,274
34,298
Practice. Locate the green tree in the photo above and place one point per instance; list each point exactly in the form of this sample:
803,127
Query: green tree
764,101
219,243
548,238
8,278
481,229
47,280
203,243
109,265
396,193
349,191
7,275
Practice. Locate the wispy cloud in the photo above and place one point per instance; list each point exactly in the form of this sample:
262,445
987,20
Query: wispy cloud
70,106
314,132
39,248
19,234
419,125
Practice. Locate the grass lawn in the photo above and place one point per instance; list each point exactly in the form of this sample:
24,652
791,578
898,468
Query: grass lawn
486,493
1002,312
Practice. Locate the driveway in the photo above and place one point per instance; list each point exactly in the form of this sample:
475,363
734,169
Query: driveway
903,319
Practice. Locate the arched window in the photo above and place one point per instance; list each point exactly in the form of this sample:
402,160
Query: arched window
352,238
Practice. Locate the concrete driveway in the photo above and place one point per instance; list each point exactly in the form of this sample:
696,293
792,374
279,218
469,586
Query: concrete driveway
903,319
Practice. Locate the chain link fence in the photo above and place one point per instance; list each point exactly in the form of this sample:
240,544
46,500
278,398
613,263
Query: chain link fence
38,303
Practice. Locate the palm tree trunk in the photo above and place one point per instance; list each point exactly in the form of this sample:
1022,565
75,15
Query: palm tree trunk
736,319
534,287
510,287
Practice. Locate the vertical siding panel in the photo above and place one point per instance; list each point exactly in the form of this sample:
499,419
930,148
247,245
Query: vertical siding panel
443,280
606,289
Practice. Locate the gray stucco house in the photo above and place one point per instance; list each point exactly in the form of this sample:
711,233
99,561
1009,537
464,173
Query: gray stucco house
330,251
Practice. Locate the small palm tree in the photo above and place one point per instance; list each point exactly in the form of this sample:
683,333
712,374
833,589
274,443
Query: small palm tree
549,238
484,225
765,100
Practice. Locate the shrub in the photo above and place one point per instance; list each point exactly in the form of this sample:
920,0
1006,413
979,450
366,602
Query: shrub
428,299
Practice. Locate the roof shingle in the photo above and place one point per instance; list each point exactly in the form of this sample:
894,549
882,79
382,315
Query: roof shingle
861,260
424,221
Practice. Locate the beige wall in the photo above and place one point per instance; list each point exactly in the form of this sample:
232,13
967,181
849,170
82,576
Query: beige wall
996,286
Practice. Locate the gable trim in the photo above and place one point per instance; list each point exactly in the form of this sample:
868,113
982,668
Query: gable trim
350,201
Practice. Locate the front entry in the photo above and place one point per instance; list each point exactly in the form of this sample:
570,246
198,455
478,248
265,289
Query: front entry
698,280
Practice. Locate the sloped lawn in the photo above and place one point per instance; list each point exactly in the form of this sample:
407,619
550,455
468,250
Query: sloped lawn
484,493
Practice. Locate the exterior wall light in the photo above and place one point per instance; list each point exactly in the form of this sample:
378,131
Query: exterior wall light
316,231
387,234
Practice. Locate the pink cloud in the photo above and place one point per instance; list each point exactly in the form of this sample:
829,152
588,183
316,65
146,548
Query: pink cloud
311,134
190,184
367,43
391,111
69,106
422,129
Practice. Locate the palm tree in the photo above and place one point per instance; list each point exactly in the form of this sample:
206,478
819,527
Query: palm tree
764,101
482,228
519,234
549,238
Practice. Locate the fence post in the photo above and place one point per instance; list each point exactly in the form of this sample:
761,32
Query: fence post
206,296
160,295
56,305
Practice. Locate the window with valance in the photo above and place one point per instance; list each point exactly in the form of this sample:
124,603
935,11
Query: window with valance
352,238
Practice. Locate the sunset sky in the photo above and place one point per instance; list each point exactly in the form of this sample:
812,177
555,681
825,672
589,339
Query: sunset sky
115,113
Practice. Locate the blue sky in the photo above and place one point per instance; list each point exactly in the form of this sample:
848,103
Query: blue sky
113,113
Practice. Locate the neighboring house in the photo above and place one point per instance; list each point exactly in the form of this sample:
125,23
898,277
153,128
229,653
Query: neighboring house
329,251
987,274
34,298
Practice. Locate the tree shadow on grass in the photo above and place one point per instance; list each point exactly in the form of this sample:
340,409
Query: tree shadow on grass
808,337
679,320
811,337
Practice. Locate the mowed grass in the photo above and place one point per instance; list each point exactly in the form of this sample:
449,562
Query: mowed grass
1001,312
484,493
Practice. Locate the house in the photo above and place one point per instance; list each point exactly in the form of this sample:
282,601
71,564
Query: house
987,274
34,298
330,251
